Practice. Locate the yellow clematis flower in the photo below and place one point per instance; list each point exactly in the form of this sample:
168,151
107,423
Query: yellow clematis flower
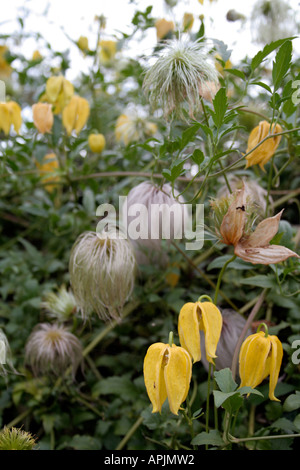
42,117
260,357
163,28
188,21
196,316
262,154
167,374
96,142
108,50
59,92
49,165
10,115
75,114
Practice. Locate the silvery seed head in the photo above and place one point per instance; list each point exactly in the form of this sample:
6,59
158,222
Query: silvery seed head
102,274
180,74
51,349
5,355
272,20
153,214
233,324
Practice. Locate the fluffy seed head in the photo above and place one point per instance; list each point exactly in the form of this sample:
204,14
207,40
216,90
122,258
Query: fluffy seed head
16,439
272,20
52,349
102,274
180,74
61,305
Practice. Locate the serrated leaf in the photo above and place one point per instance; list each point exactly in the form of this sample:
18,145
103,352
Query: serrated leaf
261,55
281,64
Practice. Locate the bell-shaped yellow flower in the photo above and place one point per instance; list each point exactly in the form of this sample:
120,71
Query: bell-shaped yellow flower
10,115
167,374
188,21
75,114
83,43
260,356
196,316
49,165
163,28
59,91
42,117
96,142
262,154
108,49
5,68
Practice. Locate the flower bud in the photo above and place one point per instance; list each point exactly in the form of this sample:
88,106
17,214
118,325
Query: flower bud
108,50
96,142
43,117
83,43
262,154
163,28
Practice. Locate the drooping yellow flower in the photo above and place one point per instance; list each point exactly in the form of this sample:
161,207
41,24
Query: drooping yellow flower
163,28
10,115
36,55
59,92
5,68
167,374
188,21
219,66
48,168
196,316
75,114
108,50
83,43
96,142
262,154
260,356
42,117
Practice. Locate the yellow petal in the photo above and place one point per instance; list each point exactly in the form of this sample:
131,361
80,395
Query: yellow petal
15,114
177,375
233,223
154,375
83,111
253,356
212,322
69,115
188,330
96,142
53,87
262,154
4,118
275,364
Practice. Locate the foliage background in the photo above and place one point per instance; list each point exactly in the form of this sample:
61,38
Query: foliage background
107,402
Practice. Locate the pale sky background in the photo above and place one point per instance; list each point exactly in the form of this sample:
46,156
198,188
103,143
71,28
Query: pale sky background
77,17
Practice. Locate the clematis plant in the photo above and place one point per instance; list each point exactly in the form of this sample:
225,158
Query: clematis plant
167,375
253,246
260,356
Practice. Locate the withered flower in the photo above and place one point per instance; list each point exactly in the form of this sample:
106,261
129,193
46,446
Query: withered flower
252,246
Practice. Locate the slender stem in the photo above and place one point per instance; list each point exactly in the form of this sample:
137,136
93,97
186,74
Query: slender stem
220,277
207,398
258,438
130,433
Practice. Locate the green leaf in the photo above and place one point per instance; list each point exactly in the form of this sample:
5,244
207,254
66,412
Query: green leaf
197,156
220,107
292,402
259,280
261,55
225,380
188,135
281,64
208,438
